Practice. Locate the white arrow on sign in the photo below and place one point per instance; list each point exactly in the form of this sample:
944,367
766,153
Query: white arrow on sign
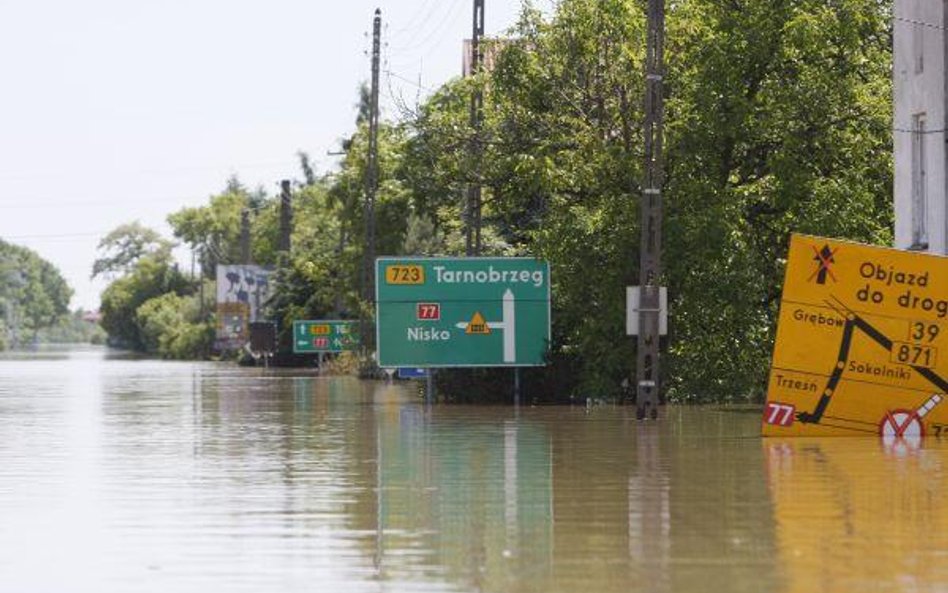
508,325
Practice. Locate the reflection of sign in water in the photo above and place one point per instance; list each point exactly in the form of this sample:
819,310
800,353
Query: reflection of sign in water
851,517
241,294
862,342
462,311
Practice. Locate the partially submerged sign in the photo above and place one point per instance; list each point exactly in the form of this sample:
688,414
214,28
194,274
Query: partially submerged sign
325,335
862,342
446,312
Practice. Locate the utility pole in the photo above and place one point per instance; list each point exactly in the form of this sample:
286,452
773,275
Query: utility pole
244,237
372,179
650,250
286,216
472,236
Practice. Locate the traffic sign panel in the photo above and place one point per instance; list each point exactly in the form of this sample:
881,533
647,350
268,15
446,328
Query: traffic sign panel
412,373
446,312
862,342
326,335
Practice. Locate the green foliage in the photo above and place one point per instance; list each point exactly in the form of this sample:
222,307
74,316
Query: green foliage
170,326
152,275
777,119
778,122
778,116
33,294
124,246
73,329
213,231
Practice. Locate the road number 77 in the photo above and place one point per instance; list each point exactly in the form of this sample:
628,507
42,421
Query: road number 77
779,414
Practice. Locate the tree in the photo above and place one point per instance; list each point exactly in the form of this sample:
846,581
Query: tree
213,231
148,271
124,246
33,294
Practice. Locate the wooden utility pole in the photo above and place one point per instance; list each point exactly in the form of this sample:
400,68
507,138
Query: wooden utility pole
372,179
472,237
650,250
286,216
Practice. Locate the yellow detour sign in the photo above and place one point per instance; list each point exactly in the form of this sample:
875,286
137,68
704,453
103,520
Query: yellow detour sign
862,343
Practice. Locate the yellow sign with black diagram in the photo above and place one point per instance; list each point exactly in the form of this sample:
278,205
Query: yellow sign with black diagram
862,343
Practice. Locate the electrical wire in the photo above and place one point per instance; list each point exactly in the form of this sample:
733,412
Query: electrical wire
440,31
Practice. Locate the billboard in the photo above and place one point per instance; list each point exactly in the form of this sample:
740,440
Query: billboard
242,291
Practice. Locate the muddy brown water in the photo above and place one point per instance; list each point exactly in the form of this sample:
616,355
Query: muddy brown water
128,475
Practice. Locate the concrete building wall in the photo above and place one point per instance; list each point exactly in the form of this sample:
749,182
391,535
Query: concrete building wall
919,123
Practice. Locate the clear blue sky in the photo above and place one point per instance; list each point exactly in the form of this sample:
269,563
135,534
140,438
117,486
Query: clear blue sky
120,110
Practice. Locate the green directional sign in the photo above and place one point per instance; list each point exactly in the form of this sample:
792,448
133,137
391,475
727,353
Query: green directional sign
325,335
453,312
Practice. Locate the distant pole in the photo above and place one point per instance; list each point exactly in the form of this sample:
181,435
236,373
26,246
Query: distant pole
371,180
472,237
286,216
650,250
245,236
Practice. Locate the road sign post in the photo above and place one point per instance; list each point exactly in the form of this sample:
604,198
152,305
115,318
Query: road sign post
462,312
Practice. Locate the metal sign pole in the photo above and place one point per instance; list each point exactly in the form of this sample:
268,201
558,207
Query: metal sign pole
429,386
517,387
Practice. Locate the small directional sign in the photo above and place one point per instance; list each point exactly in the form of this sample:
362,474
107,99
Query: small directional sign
327,335
412,373
472,311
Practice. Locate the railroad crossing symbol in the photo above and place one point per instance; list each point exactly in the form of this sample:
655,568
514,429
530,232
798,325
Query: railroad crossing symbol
824,259
477,325
507,324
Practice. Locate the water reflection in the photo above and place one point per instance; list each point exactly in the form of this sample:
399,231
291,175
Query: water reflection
856,514
150,476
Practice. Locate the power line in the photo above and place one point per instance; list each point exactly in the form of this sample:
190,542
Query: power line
47,174
52,236
440,28
411,26
409,81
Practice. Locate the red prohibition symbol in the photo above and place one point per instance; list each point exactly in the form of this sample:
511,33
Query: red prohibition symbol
901,423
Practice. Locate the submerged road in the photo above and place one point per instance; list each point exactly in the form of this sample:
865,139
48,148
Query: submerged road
129,475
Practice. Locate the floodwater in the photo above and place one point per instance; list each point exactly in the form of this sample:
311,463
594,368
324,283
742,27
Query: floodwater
126,475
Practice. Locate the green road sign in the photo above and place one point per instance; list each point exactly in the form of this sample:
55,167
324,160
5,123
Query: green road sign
453,312
325,335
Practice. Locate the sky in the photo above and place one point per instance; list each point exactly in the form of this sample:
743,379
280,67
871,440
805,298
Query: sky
113,111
